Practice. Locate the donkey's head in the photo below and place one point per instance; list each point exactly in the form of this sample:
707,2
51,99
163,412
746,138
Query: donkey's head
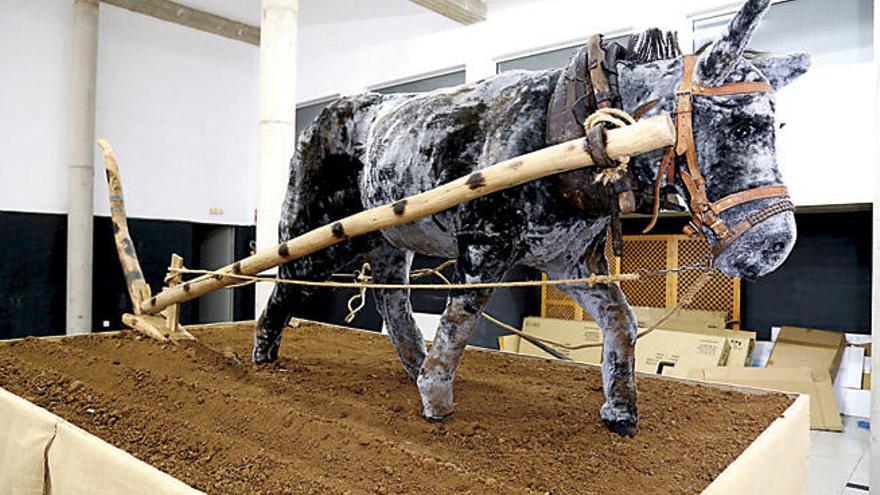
734,137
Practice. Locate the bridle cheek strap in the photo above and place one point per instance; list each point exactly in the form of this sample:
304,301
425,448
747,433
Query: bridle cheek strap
703,212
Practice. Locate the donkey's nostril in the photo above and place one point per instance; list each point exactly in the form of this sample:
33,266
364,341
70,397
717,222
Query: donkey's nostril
778,247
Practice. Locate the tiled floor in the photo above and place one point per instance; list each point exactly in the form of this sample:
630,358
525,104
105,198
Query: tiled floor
837,459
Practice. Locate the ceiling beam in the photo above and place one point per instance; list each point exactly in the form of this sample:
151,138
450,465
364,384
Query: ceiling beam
463,11
169,11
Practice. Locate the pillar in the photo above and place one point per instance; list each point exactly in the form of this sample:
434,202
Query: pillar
80,172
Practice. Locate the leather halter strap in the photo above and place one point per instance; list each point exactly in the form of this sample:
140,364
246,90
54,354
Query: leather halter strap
703,211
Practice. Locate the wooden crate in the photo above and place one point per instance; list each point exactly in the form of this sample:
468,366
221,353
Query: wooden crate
656,252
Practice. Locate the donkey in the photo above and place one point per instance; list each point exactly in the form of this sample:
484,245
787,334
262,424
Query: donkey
372,149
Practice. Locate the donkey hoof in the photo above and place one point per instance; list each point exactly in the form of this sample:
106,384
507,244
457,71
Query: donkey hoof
436,397
620,420
262,357
437,419
625,428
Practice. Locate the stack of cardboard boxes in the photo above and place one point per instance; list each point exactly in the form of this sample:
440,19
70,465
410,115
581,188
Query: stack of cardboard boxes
696,345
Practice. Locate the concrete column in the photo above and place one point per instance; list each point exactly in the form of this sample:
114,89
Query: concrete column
80,172
874,452
277,120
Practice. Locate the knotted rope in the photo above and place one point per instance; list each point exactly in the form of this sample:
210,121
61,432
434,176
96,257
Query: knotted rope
364,281
615,118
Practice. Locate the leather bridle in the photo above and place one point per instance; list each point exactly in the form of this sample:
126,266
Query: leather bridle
704,212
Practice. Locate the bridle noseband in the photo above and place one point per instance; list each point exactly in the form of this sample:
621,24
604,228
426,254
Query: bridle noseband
704,212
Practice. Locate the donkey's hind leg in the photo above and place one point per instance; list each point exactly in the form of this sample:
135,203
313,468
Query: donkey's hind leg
267,333
294,300
391,266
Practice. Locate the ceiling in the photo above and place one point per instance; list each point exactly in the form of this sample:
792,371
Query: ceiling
311,12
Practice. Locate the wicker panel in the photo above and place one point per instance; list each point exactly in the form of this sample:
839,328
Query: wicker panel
645,255
559,311
656,252
720,294
553,295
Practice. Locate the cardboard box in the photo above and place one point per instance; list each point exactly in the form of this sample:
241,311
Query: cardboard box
818,350
742,343
824,413
684,319
851,368
568,332
662,349
509,343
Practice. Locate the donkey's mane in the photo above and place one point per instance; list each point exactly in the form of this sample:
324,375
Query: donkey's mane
652,45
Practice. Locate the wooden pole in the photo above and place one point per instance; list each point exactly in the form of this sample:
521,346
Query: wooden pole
159,327
172,313
646,135
138,289
165,325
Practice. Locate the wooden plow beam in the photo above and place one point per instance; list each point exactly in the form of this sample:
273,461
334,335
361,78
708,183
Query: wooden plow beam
643,136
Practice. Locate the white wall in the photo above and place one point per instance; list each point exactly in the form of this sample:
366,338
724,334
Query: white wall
181,109
351,57
179,106
35,39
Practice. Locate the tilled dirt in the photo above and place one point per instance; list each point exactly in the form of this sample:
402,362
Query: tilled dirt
336,414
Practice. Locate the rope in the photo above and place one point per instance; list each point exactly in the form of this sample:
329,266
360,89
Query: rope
590,281
363,277
686,299
615,118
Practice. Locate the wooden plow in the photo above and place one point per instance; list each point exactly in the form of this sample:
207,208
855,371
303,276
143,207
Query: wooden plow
157,316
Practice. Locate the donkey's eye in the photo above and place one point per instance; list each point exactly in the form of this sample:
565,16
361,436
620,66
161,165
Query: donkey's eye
745,130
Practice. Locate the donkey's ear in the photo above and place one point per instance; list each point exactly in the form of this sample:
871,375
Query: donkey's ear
717,62
782,69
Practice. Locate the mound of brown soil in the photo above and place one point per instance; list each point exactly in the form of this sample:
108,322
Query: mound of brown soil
337,415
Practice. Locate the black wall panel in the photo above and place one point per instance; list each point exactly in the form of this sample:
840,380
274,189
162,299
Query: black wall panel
155,241
33,255
243,300
825,283
32,274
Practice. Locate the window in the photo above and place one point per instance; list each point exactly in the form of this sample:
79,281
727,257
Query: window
832,31
425,84
554,59
307,113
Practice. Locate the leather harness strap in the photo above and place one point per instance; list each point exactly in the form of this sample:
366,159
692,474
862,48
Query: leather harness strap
704,212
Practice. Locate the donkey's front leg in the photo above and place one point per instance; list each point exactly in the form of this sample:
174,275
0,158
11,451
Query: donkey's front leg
486,260
607,305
